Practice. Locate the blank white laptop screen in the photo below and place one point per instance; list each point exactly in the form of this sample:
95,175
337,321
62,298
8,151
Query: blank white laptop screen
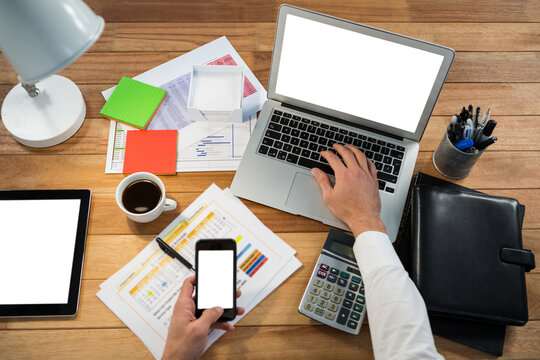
37,244
353,73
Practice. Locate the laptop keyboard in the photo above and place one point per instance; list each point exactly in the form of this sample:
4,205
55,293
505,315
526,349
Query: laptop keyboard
298,140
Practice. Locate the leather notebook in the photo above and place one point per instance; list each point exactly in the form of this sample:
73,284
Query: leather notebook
483,335
468,259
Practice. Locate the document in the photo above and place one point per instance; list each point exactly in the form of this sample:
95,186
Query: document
143,293
174,76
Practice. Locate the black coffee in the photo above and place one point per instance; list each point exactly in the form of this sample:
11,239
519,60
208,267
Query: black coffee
141,196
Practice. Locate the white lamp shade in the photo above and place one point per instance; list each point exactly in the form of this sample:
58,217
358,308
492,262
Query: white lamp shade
41,37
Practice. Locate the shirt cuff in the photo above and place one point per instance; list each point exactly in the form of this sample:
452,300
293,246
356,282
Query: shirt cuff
373,250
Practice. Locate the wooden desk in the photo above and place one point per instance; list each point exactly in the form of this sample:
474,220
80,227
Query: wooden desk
497,65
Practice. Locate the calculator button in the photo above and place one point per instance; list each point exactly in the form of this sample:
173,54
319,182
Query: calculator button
355,279
355,316
321,274
361,299
319,311
343,316
352,324
330,315
362,290
353,270
344,275
339,291
349,295
309,306
358,308
314,290
325,294
347,303
328,286
342,282
311,298
325,267
333,307
334,271
332,278
336,299
322,303
353,286
318,282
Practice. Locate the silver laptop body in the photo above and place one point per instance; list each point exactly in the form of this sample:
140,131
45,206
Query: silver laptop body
347,83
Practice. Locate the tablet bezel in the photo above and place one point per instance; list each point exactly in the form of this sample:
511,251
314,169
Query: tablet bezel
72,306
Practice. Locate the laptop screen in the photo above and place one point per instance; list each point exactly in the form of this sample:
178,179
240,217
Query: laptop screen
347,71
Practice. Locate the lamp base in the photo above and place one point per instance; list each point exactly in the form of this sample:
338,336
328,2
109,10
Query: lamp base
48,119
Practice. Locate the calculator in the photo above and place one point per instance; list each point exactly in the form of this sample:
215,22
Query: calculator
335,292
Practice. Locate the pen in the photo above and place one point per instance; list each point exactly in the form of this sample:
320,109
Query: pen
488,129
476,117
485,118
484,144
467,132
464,144
172,253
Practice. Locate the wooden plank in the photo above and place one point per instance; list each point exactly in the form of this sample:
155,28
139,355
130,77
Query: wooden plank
513,132
259,36
180,11
504,99
279,309
476,67
494,170
288,342
370,10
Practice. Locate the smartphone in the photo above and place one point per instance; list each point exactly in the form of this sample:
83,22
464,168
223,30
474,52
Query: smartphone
215,276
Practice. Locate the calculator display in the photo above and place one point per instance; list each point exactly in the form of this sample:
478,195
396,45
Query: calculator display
342,249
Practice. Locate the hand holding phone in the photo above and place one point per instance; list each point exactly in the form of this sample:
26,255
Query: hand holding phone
215,261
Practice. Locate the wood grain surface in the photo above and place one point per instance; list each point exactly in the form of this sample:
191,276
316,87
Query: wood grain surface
497,65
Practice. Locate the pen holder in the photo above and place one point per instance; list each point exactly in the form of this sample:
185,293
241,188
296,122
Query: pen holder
451,162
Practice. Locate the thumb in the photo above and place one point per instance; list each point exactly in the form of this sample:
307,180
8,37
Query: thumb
323,180
210,316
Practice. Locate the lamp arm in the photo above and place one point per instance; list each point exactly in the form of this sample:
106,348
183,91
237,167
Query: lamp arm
31,89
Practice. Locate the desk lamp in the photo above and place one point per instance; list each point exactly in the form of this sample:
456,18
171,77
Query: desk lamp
40,38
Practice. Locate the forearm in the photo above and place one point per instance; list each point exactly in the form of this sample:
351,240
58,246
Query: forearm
398,319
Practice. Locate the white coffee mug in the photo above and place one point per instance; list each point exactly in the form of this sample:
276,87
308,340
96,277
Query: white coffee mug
164,204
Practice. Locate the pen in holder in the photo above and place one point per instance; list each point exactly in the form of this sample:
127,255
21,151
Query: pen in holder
451,162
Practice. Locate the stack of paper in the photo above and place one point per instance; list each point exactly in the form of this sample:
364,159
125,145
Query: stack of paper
174,77
143,293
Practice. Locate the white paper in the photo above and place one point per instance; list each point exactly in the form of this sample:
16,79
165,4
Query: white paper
173,75
143,293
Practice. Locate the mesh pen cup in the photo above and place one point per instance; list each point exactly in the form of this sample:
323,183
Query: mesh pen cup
451,162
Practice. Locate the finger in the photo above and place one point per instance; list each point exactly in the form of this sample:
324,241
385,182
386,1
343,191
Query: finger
361,159
323,180
210,316
333,160
347,155
372,169
240,311
223,326
187,288
238,293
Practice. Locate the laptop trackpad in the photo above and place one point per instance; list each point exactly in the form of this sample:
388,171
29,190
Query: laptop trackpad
305,197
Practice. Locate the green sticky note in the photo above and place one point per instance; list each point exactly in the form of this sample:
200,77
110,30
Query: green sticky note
133,103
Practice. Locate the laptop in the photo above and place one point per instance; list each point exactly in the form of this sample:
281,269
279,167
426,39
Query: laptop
336,81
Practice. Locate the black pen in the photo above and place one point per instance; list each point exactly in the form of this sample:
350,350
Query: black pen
172,253
484,144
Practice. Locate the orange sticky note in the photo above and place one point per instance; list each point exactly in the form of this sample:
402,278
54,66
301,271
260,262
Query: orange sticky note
153,151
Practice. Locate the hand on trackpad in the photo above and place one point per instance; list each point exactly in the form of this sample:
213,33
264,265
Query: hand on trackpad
305,196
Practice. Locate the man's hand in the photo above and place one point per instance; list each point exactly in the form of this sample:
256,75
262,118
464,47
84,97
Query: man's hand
187,334
355,196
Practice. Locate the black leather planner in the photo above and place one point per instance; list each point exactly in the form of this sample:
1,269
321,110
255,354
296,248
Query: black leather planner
463,250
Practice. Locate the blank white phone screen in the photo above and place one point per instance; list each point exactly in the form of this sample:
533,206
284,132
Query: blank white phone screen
215,279
37,242
355,74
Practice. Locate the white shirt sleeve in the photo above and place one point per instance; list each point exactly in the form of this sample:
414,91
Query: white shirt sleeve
398,319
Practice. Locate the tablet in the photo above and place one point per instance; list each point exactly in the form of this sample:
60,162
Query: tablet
42,240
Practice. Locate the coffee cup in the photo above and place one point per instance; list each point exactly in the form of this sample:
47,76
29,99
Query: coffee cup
141,196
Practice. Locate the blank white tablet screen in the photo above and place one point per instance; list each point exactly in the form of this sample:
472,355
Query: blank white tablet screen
37,242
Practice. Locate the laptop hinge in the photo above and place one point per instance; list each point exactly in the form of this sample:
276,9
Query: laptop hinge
331,118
